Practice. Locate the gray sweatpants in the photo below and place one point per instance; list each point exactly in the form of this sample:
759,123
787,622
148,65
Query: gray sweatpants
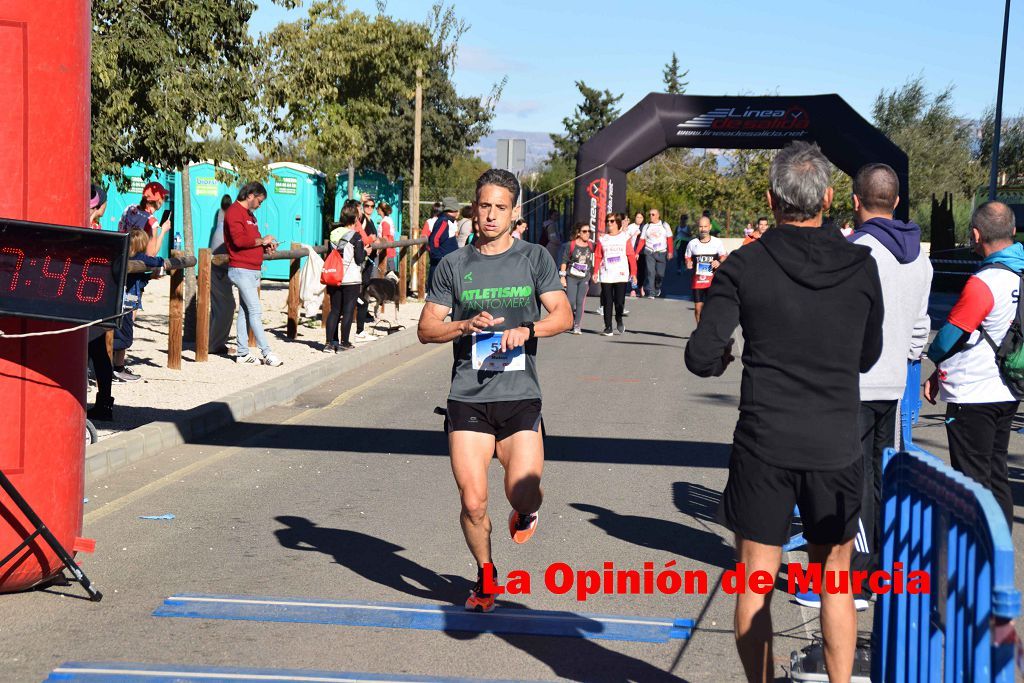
576,288
222,307
655,272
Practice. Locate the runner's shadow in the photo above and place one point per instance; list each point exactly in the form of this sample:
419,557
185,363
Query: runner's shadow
574,658
371,558
659,534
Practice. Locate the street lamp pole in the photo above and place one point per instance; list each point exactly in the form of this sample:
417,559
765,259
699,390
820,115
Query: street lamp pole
994,175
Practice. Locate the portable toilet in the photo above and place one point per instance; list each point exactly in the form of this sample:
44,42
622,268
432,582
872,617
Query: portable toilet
206,192
137,175
377,186
293,210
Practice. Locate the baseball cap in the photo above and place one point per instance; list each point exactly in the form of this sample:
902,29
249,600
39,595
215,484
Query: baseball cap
450,204
154,188
98,197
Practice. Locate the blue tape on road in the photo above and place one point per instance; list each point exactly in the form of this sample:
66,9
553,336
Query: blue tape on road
427,617
122,672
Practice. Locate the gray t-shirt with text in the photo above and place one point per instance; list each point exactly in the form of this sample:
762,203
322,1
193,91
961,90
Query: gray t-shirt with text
506,285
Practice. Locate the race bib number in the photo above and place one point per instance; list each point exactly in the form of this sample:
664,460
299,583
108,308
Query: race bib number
488,356
614,259
579,270
704,268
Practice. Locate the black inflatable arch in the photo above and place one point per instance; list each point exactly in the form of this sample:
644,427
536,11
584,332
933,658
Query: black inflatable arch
662,121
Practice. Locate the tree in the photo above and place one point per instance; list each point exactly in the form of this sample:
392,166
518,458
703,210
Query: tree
1011,146
938,143
455,178
673,78
166,77
340,87
597,111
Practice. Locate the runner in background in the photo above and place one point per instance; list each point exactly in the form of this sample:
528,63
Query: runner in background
519,229
576,267
494,290
657,252
681,239
633,230
759,230
465,225
614,268
704,254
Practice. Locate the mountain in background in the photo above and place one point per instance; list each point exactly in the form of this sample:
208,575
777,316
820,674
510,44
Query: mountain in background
538,146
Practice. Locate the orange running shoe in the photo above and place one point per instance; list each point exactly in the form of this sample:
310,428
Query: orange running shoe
478,601
521,527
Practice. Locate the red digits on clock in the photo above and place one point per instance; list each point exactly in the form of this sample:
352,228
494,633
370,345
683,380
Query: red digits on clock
100,284
62,276
17,266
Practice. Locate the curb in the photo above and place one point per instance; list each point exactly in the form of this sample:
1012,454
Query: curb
120,450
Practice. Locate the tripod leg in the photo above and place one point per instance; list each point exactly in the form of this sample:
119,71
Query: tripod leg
42,530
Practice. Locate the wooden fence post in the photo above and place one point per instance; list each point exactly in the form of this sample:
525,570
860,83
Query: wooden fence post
421,279
292,330
403,274
203,308
176,318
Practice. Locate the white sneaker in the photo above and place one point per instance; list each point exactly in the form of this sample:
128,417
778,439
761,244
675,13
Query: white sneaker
249,358
363,336
272,360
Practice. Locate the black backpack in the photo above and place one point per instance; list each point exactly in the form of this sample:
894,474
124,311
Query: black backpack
1010,352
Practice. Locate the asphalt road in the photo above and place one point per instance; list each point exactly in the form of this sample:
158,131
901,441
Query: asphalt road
346,494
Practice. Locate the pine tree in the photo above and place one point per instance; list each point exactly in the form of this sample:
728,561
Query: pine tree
673,78
596,111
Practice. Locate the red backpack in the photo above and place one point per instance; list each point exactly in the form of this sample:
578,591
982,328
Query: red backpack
334,269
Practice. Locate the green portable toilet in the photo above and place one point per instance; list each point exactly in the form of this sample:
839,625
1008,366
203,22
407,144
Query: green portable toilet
137,175
379,187
205,194
293,211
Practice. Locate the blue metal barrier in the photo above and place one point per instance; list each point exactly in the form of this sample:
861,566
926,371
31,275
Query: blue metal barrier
910,404
939,521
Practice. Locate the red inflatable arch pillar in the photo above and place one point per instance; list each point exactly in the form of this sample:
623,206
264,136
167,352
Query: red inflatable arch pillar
44,155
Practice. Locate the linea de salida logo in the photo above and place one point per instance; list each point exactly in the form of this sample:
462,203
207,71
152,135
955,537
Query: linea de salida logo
732,121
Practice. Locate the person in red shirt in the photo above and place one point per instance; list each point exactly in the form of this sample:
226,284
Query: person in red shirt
245,248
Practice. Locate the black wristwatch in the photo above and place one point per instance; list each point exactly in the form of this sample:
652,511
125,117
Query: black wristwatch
529,326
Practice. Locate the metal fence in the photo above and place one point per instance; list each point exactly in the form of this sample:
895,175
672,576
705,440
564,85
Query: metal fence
939,521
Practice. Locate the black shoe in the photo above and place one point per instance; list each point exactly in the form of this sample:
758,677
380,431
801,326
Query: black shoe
607,332
102,411
621,328
345,346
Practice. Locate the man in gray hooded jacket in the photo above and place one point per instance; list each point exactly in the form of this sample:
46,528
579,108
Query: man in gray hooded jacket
906,276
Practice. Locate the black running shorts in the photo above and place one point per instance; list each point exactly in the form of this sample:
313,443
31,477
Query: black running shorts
700,295
759,498
501,419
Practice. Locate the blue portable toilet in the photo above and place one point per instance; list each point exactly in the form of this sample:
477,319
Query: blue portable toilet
293,211
137,175
205,195
377,186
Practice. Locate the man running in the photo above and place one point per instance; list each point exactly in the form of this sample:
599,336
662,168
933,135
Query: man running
704,254
494,289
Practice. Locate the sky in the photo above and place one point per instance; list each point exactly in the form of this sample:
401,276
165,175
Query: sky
730,47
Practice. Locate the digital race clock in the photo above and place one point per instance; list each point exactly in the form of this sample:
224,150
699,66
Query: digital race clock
61,273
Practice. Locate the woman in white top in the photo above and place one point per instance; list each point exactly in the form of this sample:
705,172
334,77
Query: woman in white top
614,268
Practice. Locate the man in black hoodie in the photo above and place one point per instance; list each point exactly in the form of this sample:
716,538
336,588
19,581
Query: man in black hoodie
810,305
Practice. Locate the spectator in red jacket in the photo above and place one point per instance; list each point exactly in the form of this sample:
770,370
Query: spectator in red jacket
245,260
